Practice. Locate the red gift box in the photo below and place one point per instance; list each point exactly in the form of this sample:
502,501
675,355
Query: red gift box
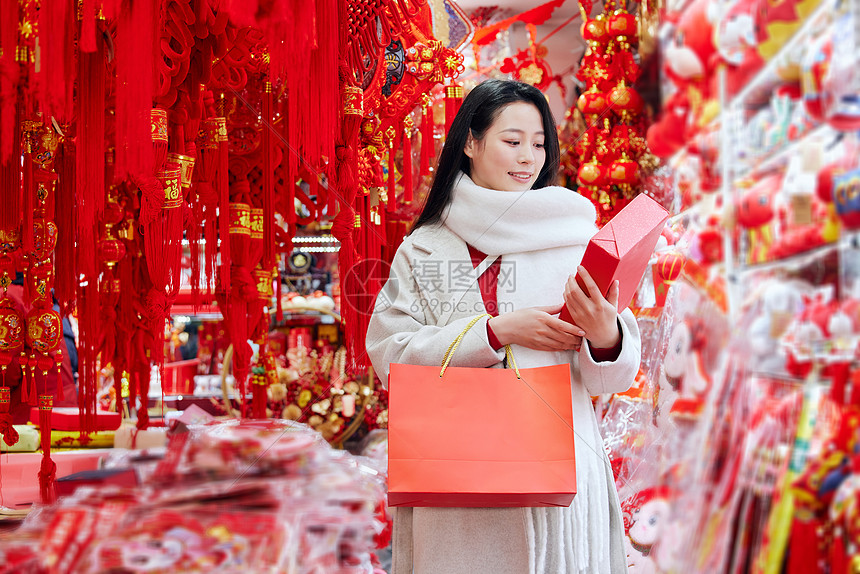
622,248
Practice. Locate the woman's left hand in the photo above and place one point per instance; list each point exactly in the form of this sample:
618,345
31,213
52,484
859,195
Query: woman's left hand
591,311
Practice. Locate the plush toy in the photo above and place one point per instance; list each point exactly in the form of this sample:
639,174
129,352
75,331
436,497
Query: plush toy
755,212
689,59
645,515
684,382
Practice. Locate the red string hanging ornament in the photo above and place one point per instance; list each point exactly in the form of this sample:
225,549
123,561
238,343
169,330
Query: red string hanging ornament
408,185
162,239
9,19
391,135
223,189
343,227
48,468
7,430
243,290
186,165
207,204
428,146
66,254
135,30
453,100
268,153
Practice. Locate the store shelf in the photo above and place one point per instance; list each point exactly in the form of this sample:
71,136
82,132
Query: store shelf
759,89
780,156
794,262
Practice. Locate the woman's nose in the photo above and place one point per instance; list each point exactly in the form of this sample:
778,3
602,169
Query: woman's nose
527,156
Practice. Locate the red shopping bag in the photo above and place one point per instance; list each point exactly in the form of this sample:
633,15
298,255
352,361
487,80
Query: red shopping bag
477,437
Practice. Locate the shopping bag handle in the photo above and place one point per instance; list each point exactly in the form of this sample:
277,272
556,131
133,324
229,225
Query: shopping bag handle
453,347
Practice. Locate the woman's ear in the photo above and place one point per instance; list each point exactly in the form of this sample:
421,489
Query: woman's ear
469,148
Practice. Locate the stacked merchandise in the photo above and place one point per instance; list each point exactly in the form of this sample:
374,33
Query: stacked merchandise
740,443
231,496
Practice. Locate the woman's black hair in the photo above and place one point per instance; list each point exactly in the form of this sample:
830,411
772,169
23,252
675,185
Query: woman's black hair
478,112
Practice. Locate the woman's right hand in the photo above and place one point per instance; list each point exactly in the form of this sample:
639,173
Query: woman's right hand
536,328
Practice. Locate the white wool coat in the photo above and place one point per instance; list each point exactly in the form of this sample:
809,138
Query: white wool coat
431,295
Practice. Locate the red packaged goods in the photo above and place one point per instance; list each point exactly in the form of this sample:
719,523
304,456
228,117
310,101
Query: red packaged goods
622,248
69,419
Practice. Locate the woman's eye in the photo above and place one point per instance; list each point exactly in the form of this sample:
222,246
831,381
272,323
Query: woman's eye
513,142
539,146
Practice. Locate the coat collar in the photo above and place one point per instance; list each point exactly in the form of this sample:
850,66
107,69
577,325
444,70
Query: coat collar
437,242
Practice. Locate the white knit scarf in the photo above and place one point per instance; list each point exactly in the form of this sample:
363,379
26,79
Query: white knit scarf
541,235
506,222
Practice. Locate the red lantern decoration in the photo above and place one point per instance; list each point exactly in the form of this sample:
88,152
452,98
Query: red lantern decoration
592,102
624,172
592,175
113,212
625,100
111,251
623,23
595,30
670,265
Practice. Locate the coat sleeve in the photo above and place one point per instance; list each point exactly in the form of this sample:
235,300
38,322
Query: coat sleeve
401,329
613,376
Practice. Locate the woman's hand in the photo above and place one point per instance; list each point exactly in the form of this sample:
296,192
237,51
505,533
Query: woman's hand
536,328
596,315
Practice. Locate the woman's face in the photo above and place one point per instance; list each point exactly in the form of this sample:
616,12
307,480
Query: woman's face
511,154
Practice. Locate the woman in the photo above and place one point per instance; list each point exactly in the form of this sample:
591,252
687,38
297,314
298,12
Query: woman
495,237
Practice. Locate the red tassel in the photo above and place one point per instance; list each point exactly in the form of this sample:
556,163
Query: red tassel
90,154
323,80
29,195
392,174
52,42
7,430
279,309
292,165
134,57
61,394
25,382
88,27
408,185
223,188
48,469
453,99
268,180
428,145
9,82
65,253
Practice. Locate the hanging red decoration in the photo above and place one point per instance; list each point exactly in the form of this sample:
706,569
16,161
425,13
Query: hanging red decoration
670,265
